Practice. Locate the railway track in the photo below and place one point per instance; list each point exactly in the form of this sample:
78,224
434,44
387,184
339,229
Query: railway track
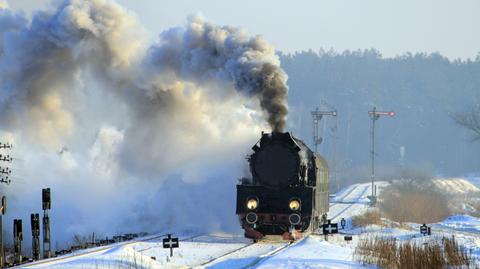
349,205
219,258
97,250
346,194
262,258
256,260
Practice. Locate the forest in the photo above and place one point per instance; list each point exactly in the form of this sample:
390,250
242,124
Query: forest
424,90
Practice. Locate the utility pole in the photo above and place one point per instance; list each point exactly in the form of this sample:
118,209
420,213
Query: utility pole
374,116
5,173
46,205
3,211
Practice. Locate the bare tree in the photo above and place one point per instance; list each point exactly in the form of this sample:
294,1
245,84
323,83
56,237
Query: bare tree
469,119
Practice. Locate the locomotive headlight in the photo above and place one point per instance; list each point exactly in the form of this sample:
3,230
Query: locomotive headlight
252,203
294,204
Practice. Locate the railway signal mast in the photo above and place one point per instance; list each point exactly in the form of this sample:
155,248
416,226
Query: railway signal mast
46,205
375,115
317,116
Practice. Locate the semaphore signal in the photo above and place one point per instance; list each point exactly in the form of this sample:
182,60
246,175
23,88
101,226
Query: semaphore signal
375,115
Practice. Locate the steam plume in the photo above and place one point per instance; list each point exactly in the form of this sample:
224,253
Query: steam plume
94,110
203,51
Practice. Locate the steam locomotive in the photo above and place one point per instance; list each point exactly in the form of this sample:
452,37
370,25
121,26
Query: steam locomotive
288,192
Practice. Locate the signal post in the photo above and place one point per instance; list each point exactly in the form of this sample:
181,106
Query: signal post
317,116
46,205
374,116
35,225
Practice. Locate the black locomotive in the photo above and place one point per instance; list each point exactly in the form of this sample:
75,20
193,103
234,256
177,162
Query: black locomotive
288,191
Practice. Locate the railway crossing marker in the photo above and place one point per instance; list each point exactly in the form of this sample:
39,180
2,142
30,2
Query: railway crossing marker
171,243
343,222
329,228
425,230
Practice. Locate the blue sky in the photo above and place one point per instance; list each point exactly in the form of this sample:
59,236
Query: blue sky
393,27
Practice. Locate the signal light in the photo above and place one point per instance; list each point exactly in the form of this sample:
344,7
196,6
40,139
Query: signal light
46,201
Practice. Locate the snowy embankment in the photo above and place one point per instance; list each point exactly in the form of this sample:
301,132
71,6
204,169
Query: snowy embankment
462,223
234,251
456,186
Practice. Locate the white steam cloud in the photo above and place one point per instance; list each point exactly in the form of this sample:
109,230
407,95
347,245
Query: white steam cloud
131,136
3,4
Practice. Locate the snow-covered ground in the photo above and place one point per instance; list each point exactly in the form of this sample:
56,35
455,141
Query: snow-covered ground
475,180
456,185
234,251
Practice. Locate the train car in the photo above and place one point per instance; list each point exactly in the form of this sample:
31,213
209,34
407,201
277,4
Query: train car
288,191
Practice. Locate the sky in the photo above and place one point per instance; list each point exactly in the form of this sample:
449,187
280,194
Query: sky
392,27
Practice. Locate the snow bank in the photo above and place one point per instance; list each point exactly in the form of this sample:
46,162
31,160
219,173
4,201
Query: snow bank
474,180
462,223
313,252
456,185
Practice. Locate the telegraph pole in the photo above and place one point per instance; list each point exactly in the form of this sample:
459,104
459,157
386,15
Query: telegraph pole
5,173
374,116
3,211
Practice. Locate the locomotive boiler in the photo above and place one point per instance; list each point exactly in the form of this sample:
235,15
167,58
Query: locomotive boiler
288,191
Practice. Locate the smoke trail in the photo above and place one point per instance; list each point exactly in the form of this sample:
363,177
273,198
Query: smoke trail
118,129
205,51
